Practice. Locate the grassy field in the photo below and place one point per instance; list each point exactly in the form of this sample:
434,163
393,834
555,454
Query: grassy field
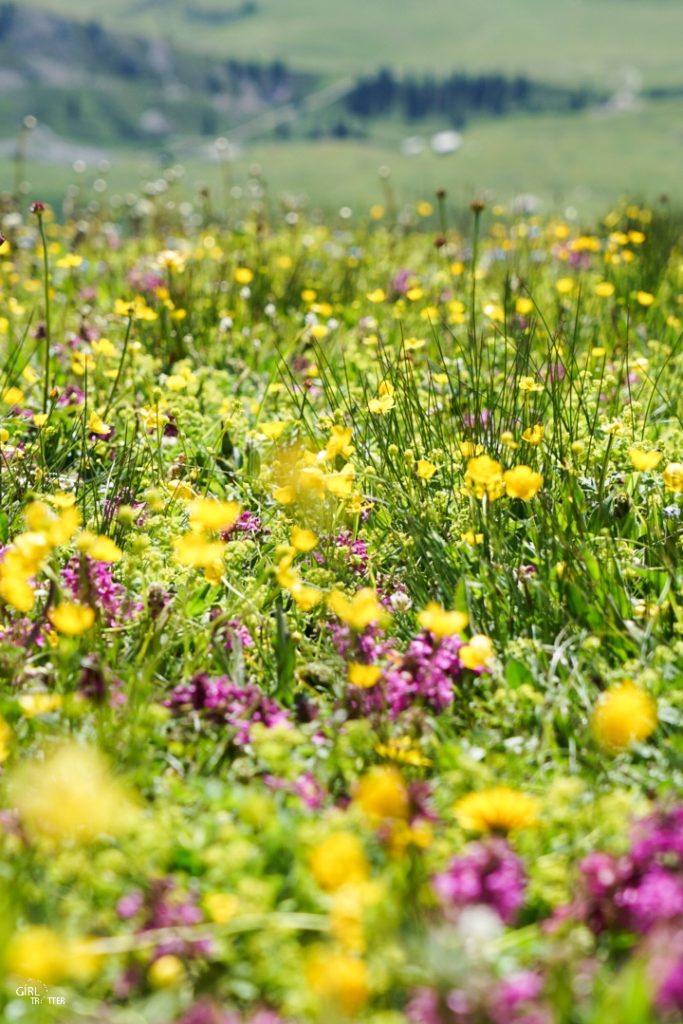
586,161
593,39
341,627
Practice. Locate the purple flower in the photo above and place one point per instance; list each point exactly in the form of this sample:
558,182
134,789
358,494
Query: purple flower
130,905
246,522
355,551
641,889
401,281
428,1006
513,999
670,994
488,873
206,1012
427,673
92,582
238,706
228,632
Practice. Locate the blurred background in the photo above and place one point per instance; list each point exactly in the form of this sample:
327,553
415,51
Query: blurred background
555,103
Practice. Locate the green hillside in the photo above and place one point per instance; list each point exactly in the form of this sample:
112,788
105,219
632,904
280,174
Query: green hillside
96,76
596,39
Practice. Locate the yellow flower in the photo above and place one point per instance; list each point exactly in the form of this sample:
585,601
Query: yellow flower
96,424
339,860
341,484
643,461
673,476
57,529
468,449
167,971
623,715
565,285
534,435
69,261
364,675
284,495
339,979
71,619
484,477
37,953
604,289
472,538
522,482
39,703
15,588
478,653
5,737
440,622
273,430
425,469
340,442
243,275
285,574
194,550
644,298
71,794
221,907
13,396
495,312
303,540
209,514
383,404
100,548
529,384
347,911
305,597
500,809
377,296
524,305
104,347
401,749
361,611
382,794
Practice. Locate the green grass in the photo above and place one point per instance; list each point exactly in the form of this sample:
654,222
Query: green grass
187,752
566,39
586,161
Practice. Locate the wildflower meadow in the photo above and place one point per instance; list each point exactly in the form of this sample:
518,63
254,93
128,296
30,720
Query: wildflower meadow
341,624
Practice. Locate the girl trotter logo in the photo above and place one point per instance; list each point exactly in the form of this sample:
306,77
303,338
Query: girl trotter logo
38,993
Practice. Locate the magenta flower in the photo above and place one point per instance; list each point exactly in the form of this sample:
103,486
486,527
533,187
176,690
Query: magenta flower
488,873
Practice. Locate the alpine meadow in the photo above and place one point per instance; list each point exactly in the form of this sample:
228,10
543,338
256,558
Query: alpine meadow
341,497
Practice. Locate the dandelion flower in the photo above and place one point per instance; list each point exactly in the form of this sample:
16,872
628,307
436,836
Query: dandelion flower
338,978
624,714
500,809
339,860
382,794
